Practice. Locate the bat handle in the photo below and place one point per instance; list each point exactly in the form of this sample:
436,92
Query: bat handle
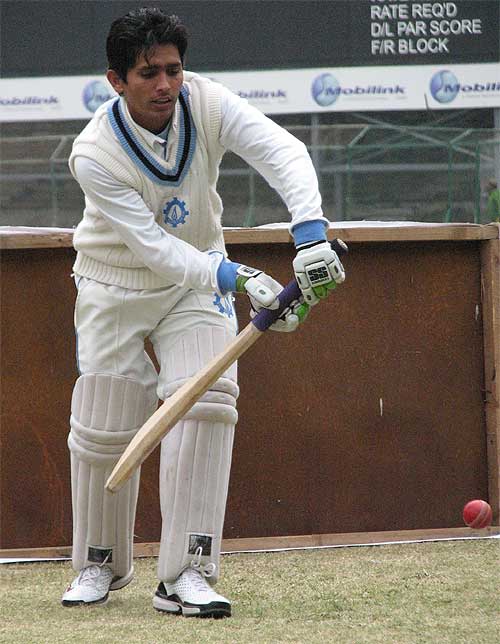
263,320
265,317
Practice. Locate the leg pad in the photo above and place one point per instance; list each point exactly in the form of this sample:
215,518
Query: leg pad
195,462
106,412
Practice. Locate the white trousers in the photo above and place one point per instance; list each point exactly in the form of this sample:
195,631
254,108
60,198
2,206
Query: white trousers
112,324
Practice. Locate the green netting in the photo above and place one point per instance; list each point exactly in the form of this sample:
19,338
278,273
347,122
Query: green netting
366,172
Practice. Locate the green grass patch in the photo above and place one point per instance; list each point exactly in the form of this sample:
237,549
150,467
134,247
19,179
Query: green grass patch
444,592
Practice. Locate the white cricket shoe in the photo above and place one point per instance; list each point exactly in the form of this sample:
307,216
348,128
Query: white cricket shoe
192,596
92,586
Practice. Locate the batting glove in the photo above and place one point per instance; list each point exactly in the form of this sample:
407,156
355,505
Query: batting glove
260,288
318,270
237,278
263,292
294,314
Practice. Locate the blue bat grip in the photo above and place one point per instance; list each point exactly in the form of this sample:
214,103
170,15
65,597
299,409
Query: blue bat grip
265,317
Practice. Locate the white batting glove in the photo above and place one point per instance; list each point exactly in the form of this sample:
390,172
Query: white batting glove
318,270
295,313
262,289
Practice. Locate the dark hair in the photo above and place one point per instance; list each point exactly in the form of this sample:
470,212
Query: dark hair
137,32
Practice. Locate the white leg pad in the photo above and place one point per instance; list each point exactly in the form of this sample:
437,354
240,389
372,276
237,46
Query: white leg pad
106,412
194,476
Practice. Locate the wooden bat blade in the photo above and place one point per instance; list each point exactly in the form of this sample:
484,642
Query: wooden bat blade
175,407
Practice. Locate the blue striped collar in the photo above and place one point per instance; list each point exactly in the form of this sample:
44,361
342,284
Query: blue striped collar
147,163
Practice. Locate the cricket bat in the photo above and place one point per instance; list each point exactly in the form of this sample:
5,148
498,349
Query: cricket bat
176,406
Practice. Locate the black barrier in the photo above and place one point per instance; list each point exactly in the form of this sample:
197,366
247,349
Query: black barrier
248,34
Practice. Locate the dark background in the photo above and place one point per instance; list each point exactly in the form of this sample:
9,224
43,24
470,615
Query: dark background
67,37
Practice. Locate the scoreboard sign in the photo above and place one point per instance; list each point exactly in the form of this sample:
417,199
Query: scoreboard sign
404,32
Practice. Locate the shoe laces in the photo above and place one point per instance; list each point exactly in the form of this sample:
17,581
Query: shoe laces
197,580
90,573
206,570
87,575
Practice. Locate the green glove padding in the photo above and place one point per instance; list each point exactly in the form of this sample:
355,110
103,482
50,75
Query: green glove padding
240,283
324,290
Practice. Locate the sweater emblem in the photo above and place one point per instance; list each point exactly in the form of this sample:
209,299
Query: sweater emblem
224,304
175,212
143,158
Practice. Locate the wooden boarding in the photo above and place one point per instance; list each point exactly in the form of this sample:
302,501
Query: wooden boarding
490,286
380,415
25,237
268,544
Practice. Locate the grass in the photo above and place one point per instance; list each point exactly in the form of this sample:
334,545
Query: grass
446,592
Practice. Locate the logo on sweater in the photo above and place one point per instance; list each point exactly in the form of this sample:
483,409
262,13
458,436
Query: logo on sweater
175,212
224,305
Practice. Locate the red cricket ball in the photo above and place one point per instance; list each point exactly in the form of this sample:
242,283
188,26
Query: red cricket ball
477,514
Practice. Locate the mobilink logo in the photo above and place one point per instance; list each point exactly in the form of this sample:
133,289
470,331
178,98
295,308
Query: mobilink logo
326,90
16,101
445,87
264,95
95,94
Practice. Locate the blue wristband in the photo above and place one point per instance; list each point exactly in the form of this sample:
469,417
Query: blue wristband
226,276
309,231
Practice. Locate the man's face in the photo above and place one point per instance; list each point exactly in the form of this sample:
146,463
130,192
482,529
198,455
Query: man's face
152,86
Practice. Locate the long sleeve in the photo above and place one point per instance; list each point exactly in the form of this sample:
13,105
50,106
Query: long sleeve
278,156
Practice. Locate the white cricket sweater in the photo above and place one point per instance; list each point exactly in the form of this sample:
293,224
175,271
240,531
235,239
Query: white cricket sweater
148,221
